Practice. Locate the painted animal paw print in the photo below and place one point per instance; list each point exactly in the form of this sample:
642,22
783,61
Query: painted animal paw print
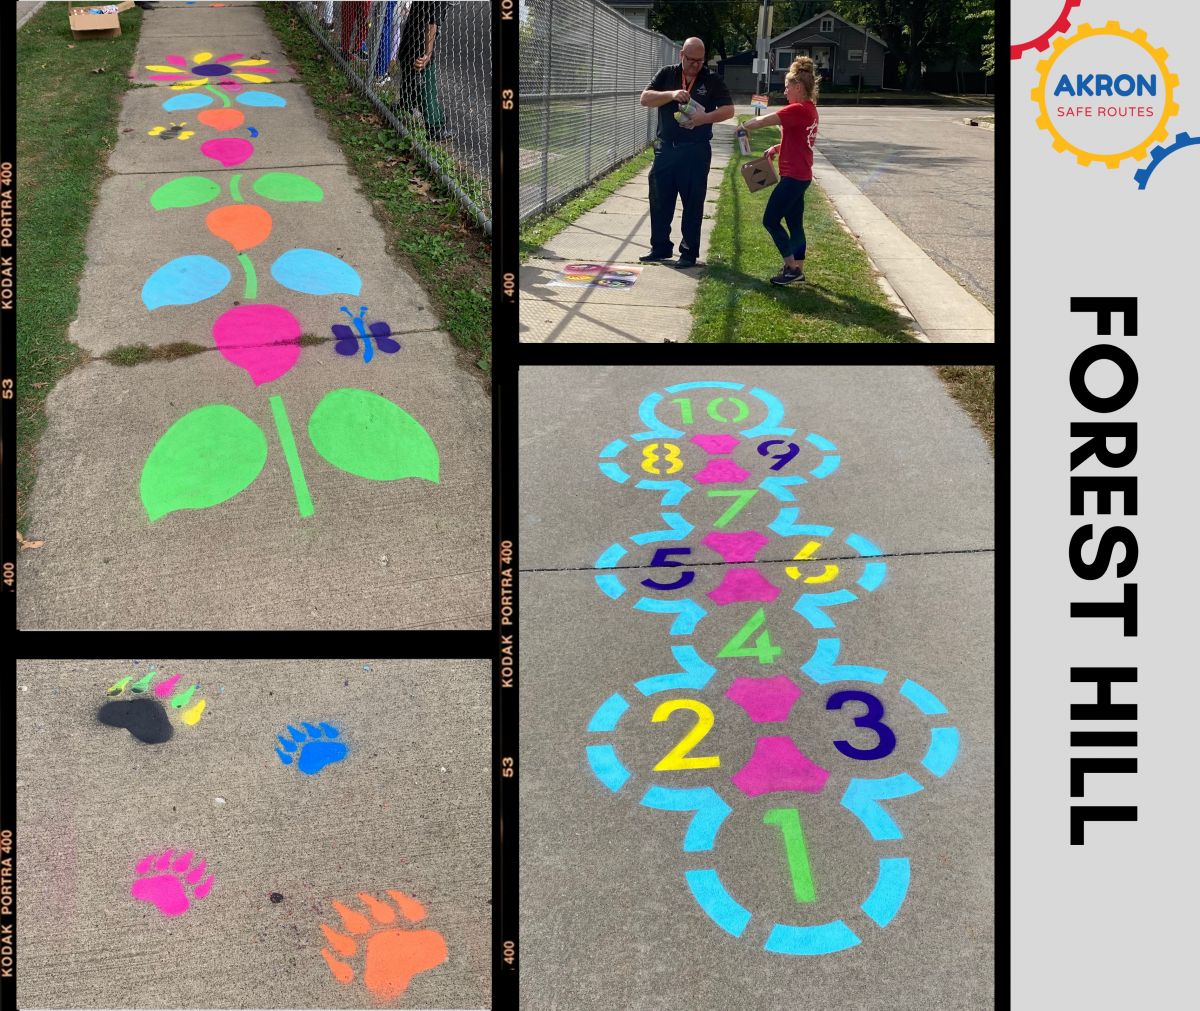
393,956
316,750
174,132
166,891
145,717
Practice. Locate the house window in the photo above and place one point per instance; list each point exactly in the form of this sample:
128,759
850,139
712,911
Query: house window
827,24
783,58
855,56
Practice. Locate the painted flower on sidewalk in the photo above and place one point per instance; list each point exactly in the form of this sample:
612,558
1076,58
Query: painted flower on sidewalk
204,68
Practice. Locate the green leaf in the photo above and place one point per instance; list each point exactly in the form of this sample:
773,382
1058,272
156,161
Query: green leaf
205,458
186,191
287,186
365,434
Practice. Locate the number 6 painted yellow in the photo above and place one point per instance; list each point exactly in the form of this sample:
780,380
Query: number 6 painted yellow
674,759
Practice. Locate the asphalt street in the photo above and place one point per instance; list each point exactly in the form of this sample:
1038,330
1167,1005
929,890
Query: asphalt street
933,176
788,889
403,806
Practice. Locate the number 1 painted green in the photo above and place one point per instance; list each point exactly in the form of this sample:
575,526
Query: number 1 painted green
788,820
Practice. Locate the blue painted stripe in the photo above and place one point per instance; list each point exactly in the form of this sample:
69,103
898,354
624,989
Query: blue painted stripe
886,897
614,471
611,585
862,545
922,698
777,487
695,674
719,904
688,610
605,718
774,417
873,573
810,604
656,429
675,490
613,448
710,810
607,767
820,940
828,465
820,442
680,387
821,669
612,554
943,749
785,525
862,798
679,529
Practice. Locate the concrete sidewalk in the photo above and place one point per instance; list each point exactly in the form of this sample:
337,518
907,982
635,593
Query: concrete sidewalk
407,807
620,901
657,308
279,521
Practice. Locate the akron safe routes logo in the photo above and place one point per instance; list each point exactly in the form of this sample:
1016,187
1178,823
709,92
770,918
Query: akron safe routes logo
1105,94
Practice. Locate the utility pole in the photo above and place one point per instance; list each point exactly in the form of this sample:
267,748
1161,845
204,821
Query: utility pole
766,14
862,64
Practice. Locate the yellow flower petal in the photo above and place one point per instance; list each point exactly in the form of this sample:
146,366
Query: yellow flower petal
156,131
187,133
201,57
166,70
190,84
254,78
249,63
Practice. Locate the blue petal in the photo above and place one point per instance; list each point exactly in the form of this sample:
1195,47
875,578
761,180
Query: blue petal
185,280
315,272
261,98
192,101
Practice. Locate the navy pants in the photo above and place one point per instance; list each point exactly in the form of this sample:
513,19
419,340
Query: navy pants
787,204
678,172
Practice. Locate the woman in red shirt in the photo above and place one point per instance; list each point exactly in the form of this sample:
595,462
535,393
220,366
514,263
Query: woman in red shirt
799,122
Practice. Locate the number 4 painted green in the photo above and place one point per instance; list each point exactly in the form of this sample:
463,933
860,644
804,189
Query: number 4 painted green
762,647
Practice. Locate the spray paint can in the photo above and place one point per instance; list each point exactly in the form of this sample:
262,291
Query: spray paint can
743,141
686,111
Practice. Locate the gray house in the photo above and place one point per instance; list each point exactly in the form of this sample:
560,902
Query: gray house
636,11
836,47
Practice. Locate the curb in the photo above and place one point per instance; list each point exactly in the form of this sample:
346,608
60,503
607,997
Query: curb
978,123
945,311
27,10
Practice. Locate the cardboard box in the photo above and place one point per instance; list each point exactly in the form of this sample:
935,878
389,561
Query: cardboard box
96,26
759,174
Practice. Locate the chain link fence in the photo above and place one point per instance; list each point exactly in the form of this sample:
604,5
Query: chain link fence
583,67
427,68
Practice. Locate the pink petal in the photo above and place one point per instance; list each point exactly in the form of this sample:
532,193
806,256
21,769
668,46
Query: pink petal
178,61
229,56
169,77
145,864
228,151
230,85
250,336
165,689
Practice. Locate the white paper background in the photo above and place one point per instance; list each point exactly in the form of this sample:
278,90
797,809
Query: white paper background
1113,923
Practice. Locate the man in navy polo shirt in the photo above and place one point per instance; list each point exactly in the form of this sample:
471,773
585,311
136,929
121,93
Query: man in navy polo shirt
682,152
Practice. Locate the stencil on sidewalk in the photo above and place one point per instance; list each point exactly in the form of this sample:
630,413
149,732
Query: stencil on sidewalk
596,275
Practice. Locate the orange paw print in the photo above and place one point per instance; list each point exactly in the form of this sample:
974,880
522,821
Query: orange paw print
393,956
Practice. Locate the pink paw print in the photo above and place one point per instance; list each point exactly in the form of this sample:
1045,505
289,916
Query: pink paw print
166,891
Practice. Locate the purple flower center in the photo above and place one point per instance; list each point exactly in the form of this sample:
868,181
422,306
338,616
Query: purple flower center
211,69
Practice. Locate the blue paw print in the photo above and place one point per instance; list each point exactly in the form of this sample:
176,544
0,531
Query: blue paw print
315,751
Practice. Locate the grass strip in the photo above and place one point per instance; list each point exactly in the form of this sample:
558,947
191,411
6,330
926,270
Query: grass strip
538,230
430,236
69,95
974,387
841,302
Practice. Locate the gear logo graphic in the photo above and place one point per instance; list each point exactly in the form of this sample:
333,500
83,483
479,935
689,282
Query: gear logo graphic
1159,132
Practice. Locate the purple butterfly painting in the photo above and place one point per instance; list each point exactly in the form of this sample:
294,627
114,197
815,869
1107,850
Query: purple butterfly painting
348,344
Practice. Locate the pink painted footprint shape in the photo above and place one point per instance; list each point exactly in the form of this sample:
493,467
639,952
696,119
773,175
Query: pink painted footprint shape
166,890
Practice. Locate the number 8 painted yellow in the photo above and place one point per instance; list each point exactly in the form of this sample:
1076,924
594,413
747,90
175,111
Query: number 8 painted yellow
674,759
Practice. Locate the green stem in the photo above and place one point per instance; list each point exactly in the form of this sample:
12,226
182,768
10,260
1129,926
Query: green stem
251,277
233,188
223,98
288,441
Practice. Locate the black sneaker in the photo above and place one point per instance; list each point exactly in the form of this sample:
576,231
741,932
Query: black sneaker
788,275
684,262
653,257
